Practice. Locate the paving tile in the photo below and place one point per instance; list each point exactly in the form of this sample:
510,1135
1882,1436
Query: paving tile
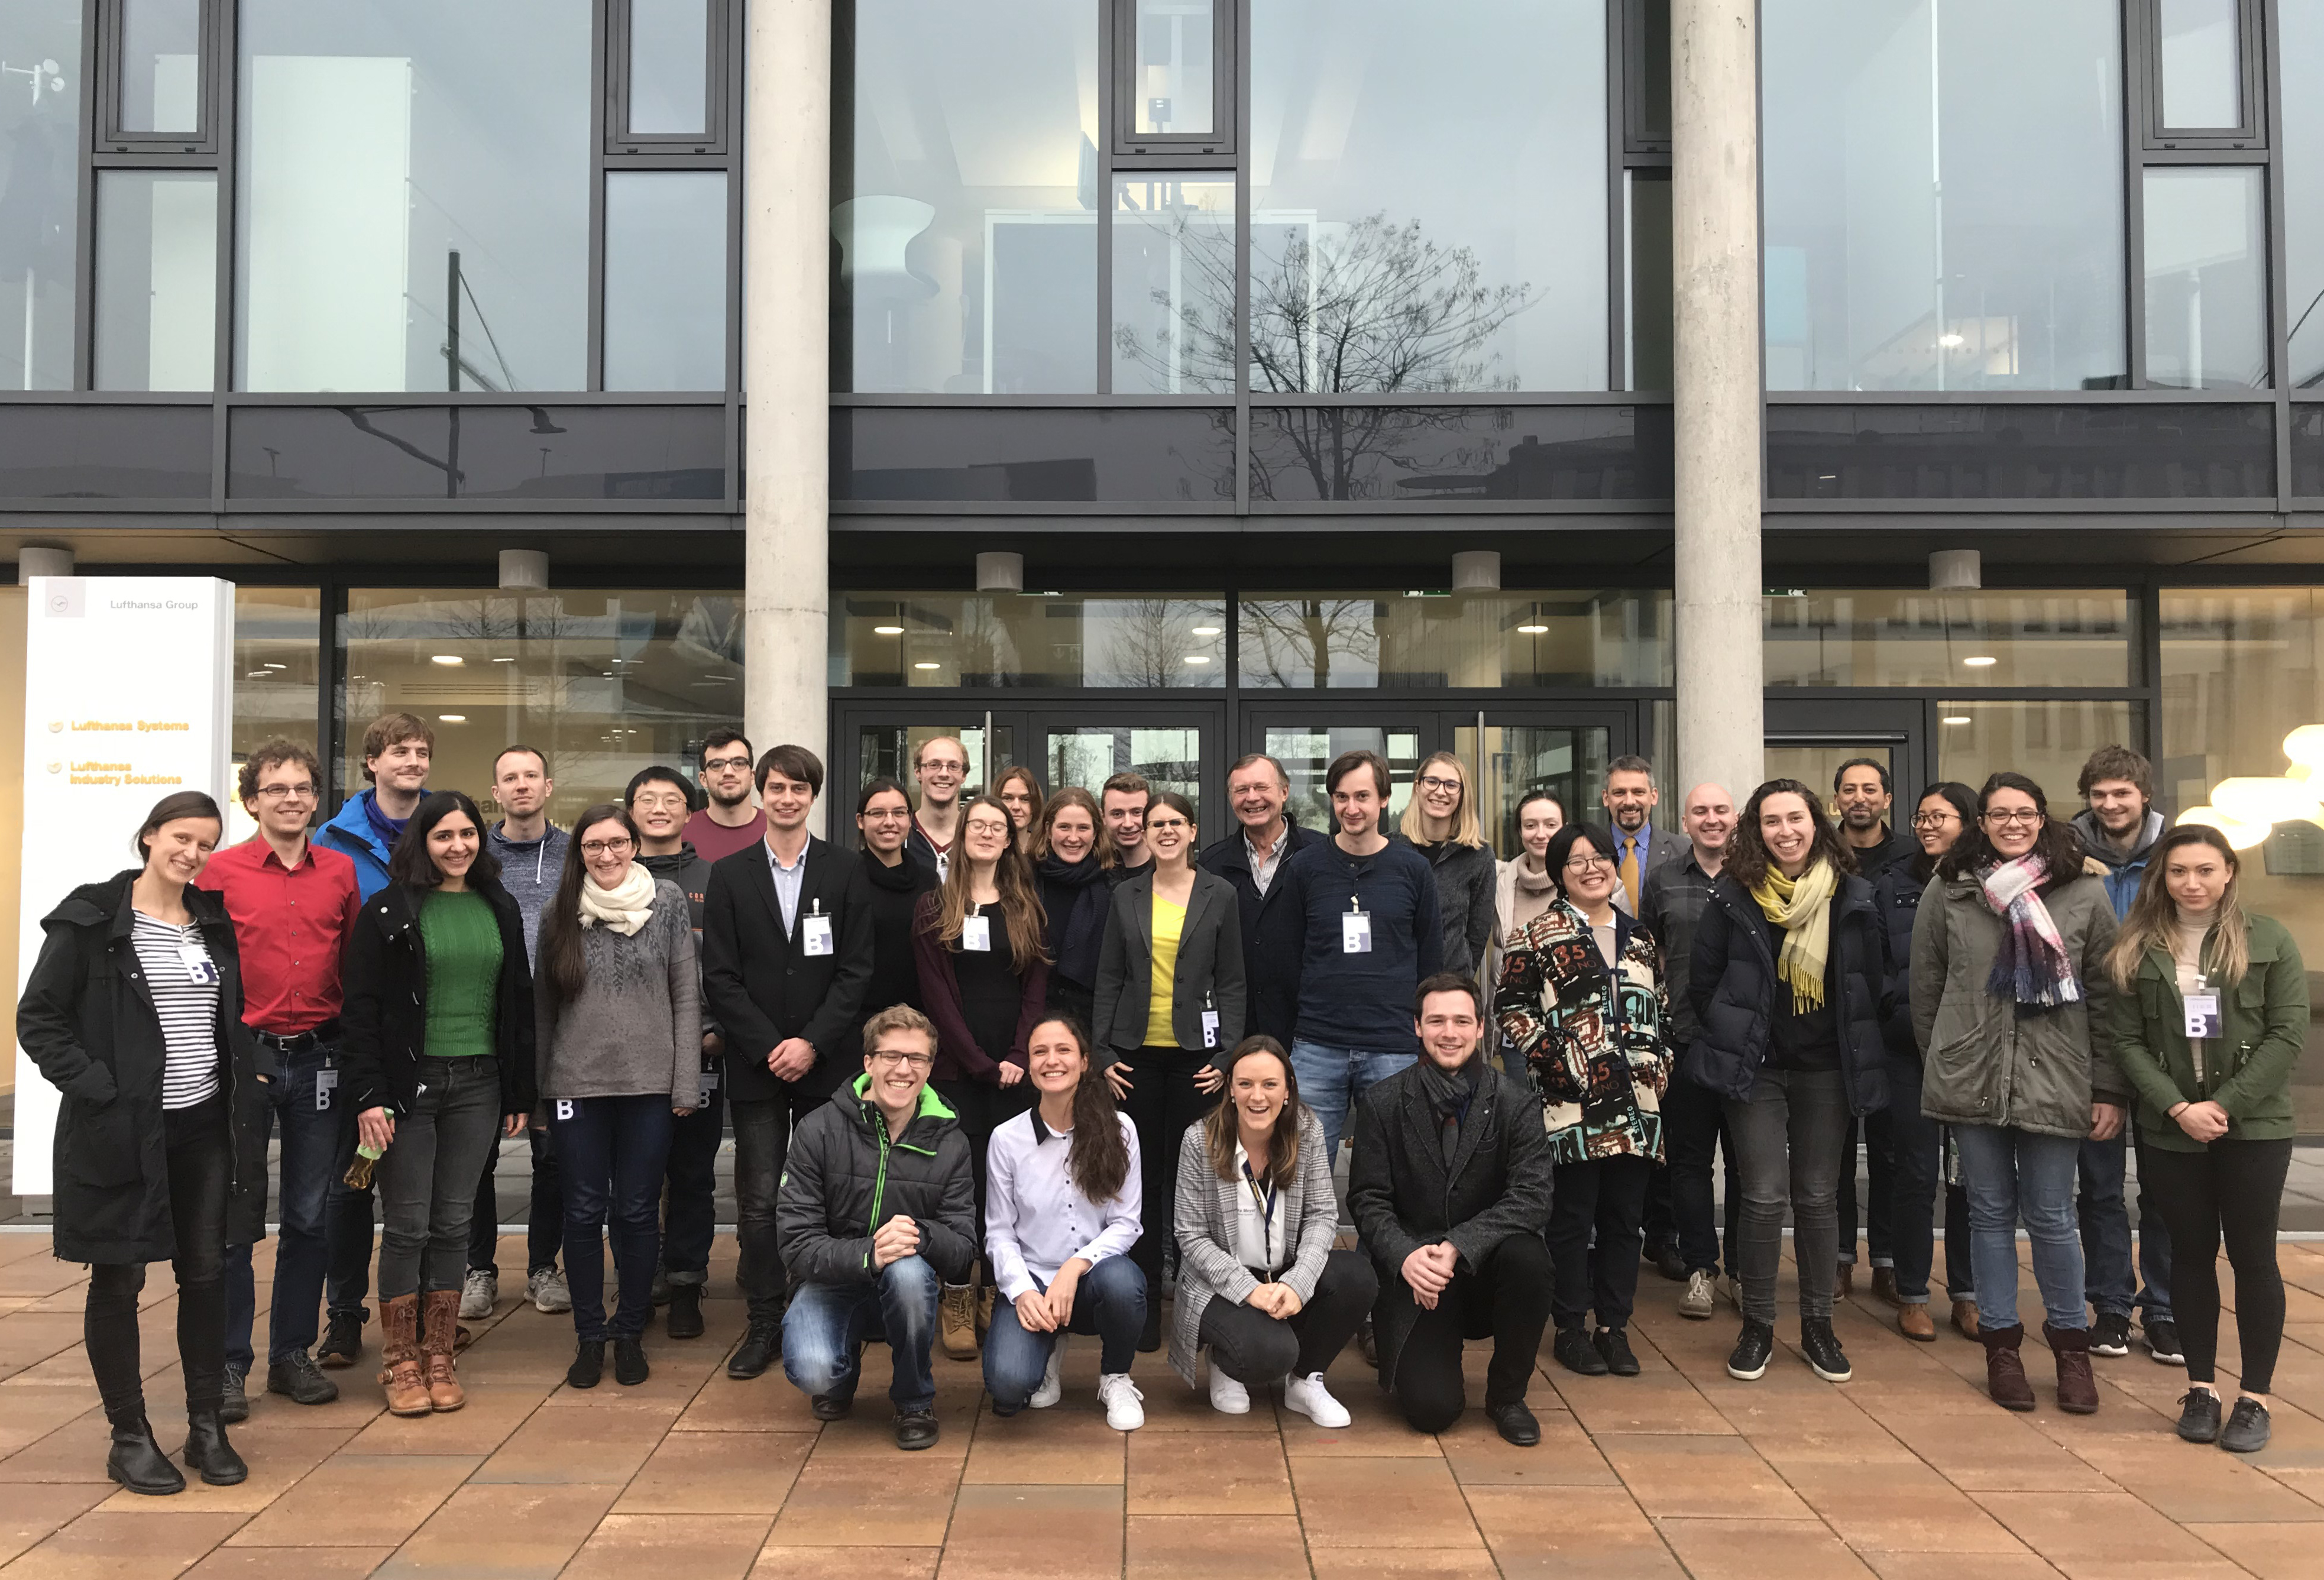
1173,1407
1704,1477
1669,1403
603,1446
358,1499
1222,1473
2271,1552
1350,1502
477,1428
1909,1508
290,1563
101,1543
766,1403
2018,1566
790,1563
2102,1533
871,1433
1750,1550
32,1436
699,1547
836,1503
500,1533
1330,1563
1376,1429
724,1472
1564,1457
1059,1446
278,1457
1034,1533
2193,1483
1588,1533
30,1513
1185,1546
1993,1451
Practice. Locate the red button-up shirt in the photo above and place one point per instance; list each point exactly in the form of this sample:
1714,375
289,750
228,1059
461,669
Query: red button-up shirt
291,924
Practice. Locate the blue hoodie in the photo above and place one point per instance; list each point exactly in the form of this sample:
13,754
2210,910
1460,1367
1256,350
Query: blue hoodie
530,871
362,834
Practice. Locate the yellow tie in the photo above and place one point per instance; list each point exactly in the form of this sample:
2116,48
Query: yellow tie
1630,871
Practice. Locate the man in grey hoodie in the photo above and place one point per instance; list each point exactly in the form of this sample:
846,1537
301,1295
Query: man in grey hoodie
2119,827
531,852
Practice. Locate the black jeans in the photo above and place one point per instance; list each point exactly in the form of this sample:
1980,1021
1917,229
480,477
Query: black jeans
200,1151
427,1176
983,1107
347,1226
1506,1299
1163,1101
1916,1150
690,1207
615,1151
1256,1349
1607,1196
1695,1138
544,1224
1788,1136
762,1134
2232,1189
1878,1215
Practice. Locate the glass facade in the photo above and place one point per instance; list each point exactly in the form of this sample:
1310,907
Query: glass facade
1993,638
1027,640
41,89
666,280
2300,28
1173,283
2206,277
1366,641
160,66
156,296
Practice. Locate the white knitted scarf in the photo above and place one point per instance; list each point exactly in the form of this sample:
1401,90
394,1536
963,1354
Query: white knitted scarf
625,908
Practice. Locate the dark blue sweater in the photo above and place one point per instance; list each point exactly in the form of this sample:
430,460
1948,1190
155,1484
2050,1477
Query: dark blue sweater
1364,1001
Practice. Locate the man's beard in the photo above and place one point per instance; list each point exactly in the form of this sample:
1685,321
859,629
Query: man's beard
736,800
1861,817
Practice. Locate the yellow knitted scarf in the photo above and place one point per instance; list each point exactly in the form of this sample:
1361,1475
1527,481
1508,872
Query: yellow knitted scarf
1802,907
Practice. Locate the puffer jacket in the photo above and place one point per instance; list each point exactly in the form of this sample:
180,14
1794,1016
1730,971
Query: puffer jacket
2246,1069
1732,981
1895,902
1982,1061
1592,1037
843,1177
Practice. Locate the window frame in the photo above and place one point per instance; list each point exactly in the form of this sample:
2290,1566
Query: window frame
717,138
1118,52
111,39
2144,35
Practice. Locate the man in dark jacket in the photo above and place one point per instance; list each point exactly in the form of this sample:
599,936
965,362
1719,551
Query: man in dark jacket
786,953
1252,858
1450,1185
877,1212
1862,795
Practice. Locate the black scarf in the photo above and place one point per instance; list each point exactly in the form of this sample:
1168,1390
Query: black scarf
1449,1095
900,879
1076,896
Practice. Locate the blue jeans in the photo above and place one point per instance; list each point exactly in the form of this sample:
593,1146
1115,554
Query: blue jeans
1110,1303
828,1325
2104,1217
612,1156
311,1148
2014,1174
1331,1079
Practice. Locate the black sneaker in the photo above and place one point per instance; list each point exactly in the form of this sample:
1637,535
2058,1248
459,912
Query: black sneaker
684,1319
1575,1352
1822,1347
2111,1335
297,1381
342,1344
761,1348
832,1407
1748,1363
1149,1337
1514,1423
629,1367
588,1365
1614,1344
1667,1262
916,1429
2247,1429
2199,1416
234,1404
2162,1342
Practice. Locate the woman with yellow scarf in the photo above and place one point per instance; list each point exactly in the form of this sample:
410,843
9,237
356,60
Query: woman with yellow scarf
1786,979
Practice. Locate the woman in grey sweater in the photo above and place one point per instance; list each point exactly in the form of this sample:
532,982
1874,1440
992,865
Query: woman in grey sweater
619,1026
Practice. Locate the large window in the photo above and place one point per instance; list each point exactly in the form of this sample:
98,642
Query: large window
2301,35
1366,640
41,91
413,185
1944,194
977,640
1993,638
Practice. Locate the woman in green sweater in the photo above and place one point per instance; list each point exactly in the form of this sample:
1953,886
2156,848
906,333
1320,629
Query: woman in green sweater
2211,1018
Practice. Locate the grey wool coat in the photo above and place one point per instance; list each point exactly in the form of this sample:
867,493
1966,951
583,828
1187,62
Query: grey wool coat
1208,1267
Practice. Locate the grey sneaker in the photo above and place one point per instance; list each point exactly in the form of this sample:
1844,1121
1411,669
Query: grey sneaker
545,1288
478,1292
1701,1298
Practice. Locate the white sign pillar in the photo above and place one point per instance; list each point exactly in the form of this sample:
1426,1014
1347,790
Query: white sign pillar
128,697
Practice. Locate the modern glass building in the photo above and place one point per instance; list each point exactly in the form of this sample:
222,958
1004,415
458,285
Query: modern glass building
1235,321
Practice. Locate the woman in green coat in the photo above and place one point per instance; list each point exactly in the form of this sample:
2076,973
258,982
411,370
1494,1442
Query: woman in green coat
2210,1022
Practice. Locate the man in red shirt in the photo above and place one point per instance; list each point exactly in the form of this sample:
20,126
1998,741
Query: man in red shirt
727,822
293,905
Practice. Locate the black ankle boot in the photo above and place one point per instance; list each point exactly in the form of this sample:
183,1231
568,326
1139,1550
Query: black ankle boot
137,1462
684,1319
209,1452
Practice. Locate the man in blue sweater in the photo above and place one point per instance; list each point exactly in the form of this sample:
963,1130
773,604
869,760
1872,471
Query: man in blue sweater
1372,936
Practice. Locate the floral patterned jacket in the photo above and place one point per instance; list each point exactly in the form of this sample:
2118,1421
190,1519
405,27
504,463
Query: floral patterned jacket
1591,1037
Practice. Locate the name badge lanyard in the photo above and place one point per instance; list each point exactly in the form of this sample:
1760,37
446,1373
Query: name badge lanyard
1263,1198
2204,1023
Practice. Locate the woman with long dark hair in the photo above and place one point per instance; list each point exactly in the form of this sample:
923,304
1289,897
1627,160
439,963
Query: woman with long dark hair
1525,887
984,971
1058,1229
883,827
2210,1015
1073,861
2010,990
618,1017
438,1062
1786,980
1019,791
134,1012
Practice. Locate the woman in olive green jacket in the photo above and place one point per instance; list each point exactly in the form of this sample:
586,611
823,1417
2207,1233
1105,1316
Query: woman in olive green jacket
2208,1021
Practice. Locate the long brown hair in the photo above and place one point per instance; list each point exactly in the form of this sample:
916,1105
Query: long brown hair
1032,829
2057,846
1073,795
1026,922
1746,849
562,965
1098,1160
1220,1126
2153,920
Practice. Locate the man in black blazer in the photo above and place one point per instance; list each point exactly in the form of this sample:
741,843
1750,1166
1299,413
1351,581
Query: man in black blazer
1274,932
786,953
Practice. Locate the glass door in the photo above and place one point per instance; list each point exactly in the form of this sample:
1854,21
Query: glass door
1565,751
1809,739
1305,739
873,741
1174,749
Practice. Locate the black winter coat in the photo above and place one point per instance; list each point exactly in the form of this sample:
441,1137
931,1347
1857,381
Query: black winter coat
87,1018
765,988
384,1024
843,1177
1403,1194
1274,933
1732,982
1895,905
893,894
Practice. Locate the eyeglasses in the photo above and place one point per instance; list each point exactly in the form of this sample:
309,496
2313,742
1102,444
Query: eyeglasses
985,826
893,1060
1435,782
1154,823
720,765
645,802
2026,818
1934,819
605,847
942,766
1582,864
275,793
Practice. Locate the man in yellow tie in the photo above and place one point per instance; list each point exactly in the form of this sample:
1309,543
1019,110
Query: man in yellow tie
1629,799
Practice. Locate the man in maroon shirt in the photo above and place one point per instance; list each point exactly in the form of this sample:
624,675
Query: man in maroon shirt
727,822
293,905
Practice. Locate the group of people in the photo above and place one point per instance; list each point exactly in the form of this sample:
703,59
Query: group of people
1026,1064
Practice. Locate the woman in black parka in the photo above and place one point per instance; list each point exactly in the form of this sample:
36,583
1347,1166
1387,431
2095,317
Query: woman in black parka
133,1011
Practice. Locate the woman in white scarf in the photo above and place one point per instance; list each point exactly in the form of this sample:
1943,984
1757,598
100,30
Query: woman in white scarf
619,1033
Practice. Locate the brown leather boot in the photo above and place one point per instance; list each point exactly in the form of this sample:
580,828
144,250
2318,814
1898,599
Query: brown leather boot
1914,1323
2004,1372
2077,1391
1965,1318
399,1353
436,1345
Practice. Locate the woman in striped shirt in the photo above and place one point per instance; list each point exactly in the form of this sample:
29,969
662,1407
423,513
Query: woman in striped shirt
133,1011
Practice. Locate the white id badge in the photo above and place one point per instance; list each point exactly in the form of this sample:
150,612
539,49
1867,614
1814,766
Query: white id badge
1209,1028
709,1089
976,933
565,1107
2203,1018
326,1082
199,966
816,930
1355,934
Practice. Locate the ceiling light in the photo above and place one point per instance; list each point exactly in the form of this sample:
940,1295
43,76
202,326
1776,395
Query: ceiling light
1981,661
1206,630
1958,719
255,675
888,631
448,658
503,661
272,665
1949,341
928,664
1532,631
452,719
1198,658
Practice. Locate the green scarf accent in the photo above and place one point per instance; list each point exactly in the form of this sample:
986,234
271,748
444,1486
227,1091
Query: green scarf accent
1802,907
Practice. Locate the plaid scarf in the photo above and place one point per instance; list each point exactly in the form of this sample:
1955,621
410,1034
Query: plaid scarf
2031,967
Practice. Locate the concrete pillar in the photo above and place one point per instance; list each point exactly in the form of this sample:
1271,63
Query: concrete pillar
787,373
1715,222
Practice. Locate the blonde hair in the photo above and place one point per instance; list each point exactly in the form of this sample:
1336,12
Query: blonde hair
2153,920
1073,795
1413,824
897,1018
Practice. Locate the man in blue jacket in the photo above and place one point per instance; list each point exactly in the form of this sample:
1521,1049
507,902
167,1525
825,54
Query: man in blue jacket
396,750
1370,937
1252,858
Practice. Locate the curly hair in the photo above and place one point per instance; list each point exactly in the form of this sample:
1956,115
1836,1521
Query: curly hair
1746,847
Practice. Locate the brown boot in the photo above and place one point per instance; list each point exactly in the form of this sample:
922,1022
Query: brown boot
1914,1323
398,1354
2077,1391
2005,1372
1965,1318
1843,1281
436,1345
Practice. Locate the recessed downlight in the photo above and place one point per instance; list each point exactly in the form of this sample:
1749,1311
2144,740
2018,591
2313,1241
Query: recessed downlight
448,659
1981,661
888,630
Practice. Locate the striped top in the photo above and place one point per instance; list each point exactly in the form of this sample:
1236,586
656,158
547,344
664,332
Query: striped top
185,989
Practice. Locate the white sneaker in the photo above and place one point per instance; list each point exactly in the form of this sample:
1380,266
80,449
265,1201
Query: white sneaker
1053,1381
546,1290
478,1291
1701,1298
1228,1397
1310,1398
1120,1397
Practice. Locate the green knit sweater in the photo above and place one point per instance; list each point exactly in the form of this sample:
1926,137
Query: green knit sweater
463,942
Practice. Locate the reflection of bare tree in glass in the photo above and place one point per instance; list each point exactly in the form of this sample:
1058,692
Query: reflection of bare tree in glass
1138,642
1292,641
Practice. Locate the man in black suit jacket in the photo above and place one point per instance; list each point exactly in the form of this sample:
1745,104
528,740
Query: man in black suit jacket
786,953
1274,931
